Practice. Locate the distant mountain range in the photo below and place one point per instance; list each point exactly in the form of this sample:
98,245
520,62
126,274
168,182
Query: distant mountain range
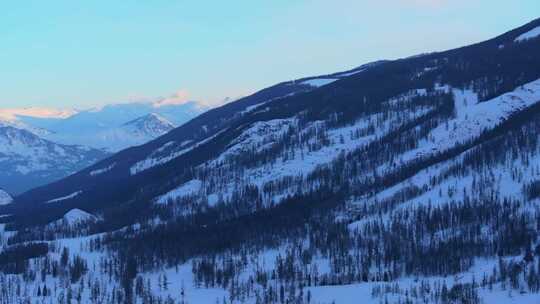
28,160
38,146
105,127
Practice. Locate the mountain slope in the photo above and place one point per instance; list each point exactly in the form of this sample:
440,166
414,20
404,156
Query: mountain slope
24,126
118,167
152,125
29,161
5,198
170,157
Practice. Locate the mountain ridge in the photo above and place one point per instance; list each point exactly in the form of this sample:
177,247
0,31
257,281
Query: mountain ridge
283,89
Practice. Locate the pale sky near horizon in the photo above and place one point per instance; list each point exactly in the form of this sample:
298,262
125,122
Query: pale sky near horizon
79,54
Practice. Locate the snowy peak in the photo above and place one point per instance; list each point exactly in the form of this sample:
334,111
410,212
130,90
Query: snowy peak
74,217
77,216
153,125
5,198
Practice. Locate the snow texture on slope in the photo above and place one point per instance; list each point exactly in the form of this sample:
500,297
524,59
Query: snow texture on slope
473,118
189,188
28,160
534,33
153,160
5,198
319,82
262,136
75,216
102,170
63,198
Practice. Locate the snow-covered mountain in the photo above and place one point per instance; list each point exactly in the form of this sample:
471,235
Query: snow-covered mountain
5,198
75,217
35,140
109,127
15,123
115,138
141,130
106,127
28,160
406,181
152,125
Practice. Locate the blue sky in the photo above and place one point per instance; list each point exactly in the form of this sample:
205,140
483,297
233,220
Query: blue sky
86,53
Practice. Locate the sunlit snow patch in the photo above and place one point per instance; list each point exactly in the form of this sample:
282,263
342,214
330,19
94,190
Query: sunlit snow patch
102,170
5,198
534,33
63,198
190,188
319,82
151,161
75,216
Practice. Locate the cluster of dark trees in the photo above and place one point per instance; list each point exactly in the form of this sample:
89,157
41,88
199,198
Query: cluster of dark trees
14,259
61,277
428,292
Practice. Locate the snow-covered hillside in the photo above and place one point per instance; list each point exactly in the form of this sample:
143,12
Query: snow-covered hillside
5,198
23,126
76,216
29,161
534,33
